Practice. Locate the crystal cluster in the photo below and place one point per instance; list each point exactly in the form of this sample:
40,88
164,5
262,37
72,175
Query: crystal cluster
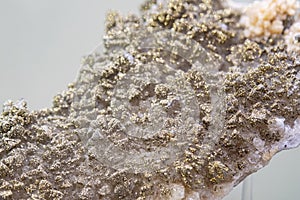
292,38
182,104
264,18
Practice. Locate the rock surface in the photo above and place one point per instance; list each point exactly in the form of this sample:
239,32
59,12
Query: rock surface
181,105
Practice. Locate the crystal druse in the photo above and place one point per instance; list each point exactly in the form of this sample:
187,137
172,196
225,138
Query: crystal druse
184,103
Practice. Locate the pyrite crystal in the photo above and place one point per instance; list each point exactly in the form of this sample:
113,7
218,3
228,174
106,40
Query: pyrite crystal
186,101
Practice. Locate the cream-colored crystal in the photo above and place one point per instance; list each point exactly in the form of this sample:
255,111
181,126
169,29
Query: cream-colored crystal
265,18
292,38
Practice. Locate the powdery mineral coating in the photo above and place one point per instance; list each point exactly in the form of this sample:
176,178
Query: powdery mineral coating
182,105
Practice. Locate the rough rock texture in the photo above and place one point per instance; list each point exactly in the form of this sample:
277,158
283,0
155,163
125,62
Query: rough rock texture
181,105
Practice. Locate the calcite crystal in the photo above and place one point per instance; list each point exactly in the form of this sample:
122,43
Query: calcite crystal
264,18
292,38
182,104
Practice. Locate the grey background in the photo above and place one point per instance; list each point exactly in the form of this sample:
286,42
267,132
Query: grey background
41,46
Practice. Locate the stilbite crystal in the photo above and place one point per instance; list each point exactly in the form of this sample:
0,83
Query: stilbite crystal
181,105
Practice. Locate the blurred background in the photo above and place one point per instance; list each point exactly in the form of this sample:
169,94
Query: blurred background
41,46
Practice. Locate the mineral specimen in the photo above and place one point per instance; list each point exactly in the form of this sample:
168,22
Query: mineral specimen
185,102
